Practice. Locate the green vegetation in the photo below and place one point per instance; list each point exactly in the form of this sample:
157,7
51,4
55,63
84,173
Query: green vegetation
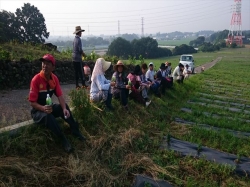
175,42
27,24
121,145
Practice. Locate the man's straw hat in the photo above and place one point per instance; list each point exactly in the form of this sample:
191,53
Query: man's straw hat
78,29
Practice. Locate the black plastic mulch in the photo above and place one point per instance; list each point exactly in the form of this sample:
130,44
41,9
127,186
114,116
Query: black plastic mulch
142,181
209,127
242,166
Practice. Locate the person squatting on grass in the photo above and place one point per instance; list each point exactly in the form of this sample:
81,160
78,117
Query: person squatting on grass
186,72
150,76
168,68
100,89
178,73
121,88
163,77
45,83
138,91
77,56
145,84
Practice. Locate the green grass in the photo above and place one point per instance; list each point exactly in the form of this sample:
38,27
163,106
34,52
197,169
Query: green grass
175,42
120,145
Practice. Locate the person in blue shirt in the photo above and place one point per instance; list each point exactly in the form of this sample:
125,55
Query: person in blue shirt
100,90
77,56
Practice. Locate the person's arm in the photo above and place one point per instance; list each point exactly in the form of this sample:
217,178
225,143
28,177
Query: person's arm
46,109
101,83
63,105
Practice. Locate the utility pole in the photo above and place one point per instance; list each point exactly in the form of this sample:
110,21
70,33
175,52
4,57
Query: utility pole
235,33
118,28
142,27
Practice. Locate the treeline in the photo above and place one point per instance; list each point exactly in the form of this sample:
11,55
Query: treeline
146,47
217,41
89,42
27,24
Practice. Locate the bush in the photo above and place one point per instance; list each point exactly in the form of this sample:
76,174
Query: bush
4,55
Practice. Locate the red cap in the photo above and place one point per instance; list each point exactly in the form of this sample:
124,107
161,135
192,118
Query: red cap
49,58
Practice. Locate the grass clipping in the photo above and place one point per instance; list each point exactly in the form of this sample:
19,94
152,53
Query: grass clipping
109,160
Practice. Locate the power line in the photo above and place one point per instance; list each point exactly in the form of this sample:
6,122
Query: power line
163,21
167,25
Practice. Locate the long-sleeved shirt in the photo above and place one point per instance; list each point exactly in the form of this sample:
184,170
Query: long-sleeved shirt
150,75
77,49
99,83
177,73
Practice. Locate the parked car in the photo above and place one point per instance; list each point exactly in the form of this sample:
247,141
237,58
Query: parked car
188,59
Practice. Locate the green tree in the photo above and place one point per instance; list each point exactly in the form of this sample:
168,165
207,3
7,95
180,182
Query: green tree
183,49
7,26
147,47
197,42
120,47
31,24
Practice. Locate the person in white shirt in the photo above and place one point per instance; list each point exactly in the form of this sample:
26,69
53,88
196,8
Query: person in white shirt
100,89
178,73
150,76
186,72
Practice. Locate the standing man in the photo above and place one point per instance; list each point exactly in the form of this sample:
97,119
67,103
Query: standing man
46,83
77,56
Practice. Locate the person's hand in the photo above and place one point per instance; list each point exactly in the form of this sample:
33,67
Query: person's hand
66,113
47,109
128,86
112,83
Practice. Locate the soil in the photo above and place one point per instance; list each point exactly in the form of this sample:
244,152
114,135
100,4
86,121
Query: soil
15,107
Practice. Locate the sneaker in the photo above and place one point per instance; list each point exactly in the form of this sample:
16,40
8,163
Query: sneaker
148,103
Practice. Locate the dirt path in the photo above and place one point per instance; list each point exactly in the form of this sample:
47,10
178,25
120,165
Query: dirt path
15,108
207,65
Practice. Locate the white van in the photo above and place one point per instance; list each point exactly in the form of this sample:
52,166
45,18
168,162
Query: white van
188,59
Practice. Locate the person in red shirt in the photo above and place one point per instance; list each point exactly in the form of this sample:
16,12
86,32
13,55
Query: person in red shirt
45,83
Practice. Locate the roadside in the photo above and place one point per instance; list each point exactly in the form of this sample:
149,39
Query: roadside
15,106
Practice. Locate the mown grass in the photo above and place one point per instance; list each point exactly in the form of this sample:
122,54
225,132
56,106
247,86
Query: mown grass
176,42
120,145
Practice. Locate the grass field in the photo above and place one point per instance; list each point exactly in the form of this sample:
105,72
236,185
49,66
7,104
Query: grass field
176,42
121,145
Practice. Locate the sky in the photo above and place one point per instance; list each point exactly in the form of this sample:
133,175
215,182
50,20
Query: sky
111,17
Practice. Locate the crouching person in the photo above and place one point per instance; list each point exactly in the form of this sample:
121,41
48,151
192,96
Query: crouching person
187,72
121,88
45,83
100,89
138,91
178,73
150,76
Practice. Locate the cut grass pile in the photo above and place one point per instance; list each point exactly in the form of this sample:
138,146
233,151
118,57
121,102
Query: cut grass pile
120,145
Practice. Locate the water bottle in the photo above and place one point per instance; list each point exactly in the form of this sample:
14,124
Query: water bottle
48,100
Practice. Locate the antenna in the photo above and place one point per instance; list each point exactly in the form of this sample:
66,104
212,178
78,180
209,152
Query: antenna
235,33
142,28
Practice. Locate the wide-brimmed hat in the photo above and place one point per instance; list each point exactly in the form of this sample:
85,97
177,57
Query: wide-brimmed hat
48,58
119,63
105,64
78,29
162,66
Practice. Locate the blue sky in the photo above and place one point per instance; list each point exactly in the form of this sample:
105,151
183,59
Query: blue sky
102,17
